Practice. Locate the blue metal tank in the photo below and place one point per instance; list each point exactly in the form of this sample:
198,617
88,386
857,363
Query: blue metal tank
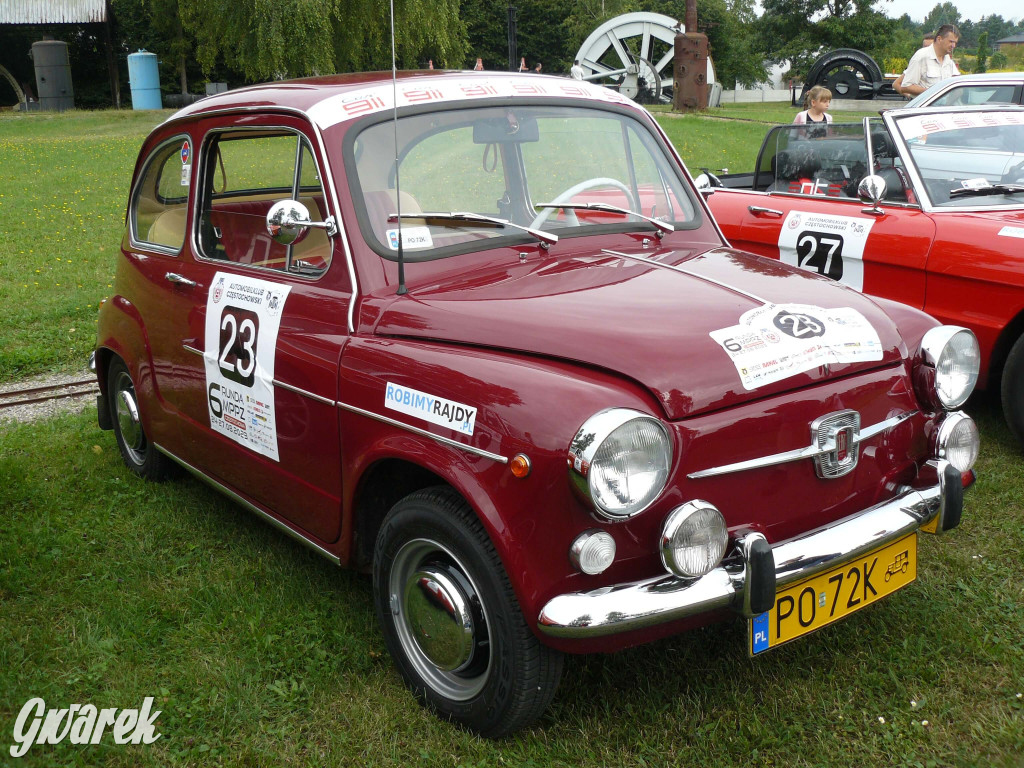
144,76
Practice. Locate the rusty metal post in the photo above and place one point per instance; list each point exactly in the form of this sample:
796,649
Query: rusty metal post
690,71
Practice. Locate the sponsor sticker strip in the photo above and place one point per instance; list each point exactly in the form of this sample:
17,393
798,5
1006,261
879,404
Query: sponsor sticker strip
922,125
777,341
378,98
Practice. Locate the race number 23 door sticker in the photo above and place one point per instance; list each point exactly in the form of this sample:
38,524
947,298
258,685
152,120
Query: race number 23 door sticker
829,245
243,316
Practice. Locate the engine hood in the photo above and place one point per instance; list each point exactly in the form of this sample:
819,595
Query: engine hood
665,319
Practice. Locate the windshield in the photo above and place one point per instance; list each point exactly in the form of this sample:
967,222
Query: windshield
511,164
968,159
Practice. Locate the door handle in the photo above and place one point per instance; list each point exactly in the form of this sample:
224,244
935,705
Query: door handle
177,279
756,209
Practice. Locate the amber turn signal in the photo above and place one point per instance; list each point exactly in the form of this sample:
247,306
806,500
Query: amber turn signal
520,465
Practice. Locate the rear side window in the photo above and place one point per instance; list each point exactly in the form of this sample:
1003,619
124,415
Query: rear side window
245,173
160,203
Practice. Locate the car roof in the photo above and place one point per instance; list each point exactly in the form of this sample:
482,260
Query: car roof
333,99
956,82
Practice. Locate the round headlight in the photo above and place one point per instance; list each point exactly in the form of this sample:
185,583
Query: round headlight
619,461
955,359
694,539
958,441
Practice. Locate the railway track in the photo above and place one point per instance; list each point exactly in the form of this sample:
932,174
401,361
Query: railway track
65,390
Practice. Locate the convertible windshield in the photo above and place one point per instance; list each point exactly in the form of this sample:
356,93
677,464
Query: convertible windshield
554,169
968,159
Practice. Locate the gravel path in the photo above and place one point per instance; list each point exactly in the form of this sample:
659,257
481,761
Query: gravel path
48,408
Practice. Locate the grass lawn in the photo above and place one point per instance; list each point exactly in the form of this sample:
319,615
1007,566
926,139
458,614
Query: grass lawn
259,653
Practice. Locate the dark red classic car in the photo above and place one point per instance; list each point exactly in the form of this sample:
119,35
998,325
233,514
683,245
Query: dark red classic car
488,343
945,232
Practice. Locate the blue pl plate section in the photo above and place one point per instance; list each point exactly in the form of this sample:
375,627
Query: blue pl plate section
759,633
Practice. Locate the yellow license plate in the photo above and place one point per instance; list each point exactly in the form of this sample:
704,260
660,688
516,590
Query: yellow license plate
820,600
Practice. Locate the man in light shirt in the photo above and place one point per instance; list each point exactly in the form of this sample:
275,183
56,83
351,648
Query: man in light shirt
932,64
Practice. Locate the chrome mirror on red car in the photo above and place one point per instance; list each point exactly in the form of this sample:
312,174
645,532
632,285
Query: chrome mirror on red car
288,222
871,190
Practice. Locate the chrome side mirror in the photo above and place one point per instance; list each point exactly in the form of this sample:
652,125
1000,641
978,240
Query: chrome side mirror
703,184
288,222
872,190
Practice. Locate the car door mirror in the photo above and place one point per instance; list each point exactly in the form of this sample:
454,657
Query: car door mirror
288,221
872,190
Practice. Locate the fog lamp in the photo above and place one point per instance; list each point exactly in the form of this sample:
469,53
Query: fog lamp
593,551
693,540
958,441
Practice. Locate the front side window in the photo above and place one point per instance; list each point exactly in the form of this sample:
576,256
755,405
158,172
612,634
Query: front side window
976,94
531,166
245,173
160,203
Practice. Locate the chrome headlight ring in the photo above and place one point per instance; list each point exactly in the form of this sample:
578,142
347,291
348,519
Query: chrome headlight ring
947,367
619,461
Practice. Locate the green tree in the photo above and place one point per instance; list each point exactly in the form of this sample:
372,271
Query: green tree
270,39
802,30
943,13
983,53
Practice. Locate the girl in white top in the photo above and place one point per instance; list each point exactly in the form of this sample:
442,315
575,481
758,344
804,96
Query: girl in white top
816,103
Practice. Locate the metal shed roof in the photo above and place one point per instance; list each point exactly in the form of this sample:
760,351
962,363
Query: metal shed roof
53,11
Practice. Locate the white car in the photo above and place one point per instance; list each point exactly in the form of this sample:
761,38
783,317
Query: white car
984,88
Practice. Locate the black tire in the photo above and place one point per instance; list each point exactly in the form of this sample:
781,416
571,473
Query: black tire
433,562
1012,390
138,452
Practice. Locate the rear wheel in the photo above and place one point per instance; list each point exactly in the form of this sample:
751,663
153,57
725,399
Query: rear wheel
451,620
137,451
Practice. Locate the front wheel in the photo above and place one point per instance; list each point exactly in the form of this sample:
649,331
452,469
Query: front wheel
1012,394
138,452
451,620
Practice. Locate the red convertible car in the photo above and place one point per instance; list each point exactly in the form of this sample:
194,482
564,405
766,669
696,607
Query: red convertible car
479,335
945,232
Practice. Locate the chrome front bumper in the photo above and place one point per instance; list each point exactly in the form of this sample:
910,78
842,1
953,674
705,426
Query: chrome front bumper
934,504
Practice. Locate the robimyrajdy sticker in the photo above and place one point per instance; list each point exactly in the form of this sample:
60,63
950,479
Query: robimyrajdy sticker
436,410
776,341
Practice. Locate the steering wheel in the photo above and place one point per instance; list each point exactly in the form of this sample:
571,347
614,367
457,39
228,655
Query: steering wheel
571,192
1014,174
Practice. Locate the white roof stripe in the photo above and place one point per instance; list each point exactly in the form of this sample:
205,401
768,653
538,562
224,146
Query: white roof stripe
380,97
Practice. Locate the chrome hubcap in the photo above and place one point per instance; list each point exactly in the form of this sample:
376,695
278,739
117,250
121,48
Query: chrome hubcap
440,620
128,423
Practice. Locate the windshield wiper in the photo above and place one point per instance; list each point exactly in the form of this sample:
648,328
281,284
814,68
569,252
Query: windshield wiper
608,208
991,189
467,217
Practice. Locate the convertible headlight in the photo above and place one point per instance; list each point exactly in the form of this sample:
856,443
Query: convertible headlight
693,540
619,461
958,441
949,363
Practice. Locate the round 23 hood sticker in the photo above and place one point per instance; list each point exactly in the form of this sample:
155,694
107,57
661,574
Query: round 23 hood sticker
776,341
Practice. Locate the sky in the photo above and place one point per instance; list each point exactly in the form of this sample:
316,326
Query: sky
969,9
